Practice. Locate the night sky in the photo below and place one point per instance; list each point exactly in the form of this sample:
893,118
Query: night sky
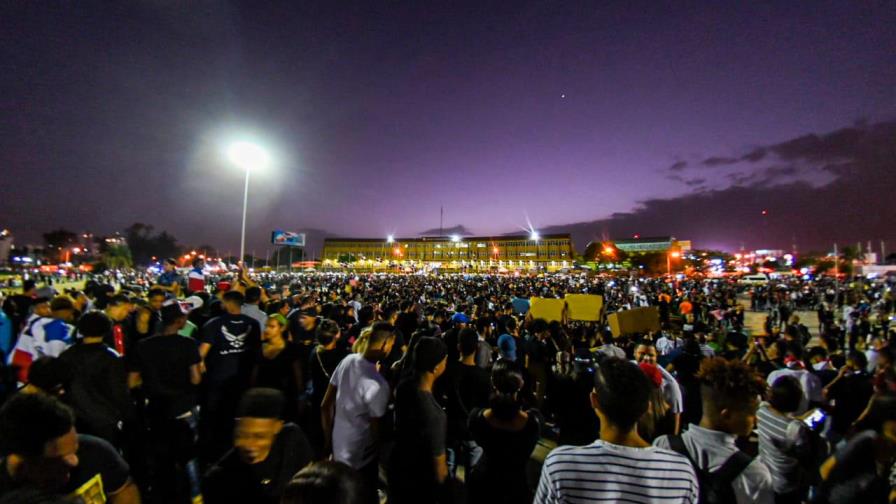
644,117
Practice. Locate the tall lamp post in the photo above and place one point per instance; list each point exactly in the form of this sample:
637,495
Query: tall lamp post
247,156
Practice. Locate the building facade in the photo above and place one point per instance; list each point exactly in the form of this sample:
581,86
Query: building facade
653,244
551,252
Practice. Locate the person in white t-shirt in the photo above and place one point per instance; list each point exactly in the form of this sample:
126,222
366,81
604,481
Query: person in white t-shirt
356,399
810,383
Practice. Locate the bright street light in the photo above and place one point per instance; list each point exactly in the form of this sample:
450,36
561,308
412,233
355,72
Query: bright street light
534,236
390,239
247,156
455,238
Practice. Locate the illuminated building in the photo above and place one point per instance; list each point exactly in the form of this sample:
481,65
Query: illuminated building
653,244
551,252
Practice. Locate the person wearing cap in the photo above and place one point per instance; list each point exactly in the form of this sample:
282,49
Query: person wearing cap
266,453
98,390
418,467
303,326
167,369
44,336
47,375
191,304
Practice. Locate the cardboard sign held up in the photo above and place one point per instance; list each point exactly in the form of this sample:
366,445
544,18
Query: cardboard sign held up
584,306
548,309
638,320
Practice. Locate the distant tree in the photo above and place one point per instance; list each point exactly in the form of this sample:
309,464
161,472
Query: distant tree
847,256
145,245
60,238
207,250
117,257
823,265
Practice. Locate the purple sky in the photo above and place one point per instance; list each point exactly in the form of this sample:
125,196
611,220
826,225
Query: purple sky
563,111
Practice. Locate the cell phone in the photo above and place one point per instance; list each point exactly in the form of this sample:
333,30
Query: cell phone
815,419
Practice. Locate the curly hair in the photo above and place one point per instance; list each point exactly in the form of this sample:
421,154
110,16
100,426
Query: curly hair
728,384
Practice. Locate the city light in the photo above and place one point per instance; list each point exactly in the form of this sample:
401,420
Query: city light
676,254
390,239
455,238
534,236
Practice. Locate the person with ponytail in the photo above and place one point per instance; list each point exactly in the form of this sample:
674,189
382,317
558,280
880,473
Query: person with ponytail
418,469
507,435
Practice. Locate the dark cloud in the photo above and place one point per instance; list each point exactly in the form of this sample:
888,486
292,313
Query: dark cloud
675,177
858,204
678,166
695,182
755,155
719,161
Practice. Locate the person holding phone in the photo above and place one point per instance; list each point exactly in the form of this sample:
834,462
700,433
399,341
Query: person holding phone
784,440
850,392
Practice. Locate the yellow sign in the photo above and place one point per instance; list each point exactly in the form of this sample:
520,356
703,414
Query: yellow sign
584,306
548,309
639,320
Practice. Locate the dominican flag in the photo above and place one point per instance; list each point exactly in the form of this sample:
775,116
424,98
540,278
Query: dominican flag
42,337
196,280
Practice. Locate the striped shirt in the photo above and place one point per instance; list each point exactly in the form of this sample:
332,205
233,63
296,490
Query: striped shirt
711,448
780,438
605,472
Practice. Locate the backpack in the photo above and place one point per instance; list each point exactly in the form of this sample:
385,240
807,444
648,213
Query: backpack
715,487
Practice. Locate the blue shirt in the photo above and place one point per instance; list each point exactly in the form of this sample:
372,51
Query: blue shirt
5,334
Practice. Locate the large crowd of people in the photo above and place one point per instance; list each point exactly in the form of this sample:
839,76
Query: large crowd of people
328,388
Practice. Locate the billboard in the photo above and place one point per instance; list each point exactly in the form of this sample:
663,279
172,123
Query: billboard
288,238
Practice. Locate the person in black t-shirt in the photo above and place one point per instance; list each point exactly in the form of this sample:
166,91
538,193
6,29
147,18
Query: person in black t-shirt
18,307
167,365
98,390
277,366
266,453
467,387
850,392
120,337
228,347
42,450
418,467
147,318
324,358
407,320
